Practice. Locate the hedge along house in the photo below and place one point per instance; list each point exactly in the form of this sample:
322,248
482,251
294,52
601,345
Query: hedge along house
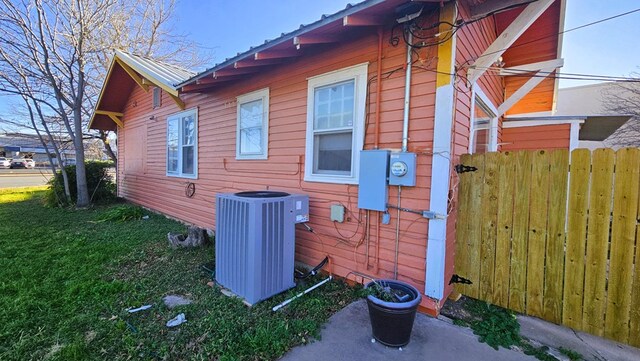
418,79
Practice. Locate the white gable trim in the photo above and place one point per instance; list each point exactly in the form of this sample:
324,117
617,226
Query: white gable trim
526,18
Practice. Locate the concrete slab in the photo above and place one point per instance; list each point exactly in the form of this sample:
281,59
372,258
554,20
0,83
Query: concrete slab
592,348
347,336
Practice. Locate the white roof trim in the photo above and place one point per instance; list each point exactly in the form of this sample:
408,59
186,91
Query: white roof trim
535,123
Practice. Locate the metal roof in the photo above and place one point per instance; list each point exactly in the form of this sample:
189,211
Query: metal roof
287,37
167,74
155,72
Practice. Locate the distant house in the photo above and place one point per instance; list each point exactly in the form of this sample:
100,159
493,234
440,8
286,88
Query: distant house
24,145
294,114
580,120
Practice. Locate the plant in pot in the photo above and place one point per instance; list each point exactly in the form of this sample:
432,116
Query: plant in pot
392,310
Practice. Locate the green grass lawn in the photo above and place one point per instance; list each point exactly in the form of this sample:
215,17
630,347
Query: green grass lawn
66,282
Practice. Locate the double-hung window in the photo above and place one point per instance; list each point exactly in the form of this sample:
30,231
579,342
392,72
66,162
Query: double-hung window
253,125
182,144
484,131
335,125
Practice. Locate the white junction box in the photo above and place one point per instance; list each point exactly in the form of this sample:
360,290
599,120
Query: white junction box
337,213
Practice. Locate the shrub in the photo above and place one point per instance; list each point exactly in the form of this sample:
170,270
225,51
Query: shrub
121,213
102,189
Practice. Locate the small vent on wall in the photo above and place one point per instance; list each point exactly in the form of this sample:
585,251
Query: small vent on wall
157,97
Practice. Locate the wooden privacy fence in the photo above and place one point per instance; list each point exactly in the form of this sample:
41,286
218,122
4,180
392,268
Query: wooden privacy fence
554,235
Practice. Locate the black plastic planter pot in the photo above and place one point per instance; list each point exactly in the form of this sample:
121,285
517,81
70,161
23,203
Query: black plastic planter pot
391,322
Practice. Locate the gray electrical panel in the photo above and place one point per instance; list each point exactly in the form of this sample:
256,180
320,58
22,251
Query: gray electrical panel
372,190
402,169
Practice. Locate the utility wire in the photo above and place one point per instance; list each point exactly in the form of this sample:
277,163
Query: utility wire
563,32
460,23
544,73
558,75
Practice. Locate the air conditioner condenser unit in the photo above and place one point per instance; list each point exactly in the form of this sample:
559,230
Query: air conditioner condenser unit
255,241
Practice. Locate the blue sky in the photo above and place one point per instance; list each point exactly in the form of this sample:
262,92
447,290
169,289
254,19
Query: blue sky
608,48
228,27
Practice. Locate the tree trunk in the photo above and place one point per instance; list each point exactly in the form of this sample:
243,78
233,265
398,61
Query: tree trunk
108,149
56,149
42,141
82,200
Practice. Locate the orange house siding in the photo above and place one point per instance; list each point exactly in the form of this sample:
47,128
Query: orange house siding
219,171
142,175
536,137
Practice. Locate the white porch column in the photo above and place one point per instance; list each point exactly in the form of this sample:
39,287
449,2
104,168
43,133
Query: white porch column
441,163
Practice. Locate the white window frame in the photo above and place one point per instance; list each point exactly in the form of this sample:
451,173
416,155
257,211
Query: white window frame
478,95
358,73
262,94
178,116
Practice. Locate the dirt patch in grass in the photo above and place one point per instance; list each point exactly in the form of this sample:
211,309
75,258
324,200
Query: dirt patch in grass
68,282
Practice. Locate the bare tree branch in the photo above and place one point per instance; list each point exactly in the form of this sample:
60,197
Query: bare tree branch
624,98
62,49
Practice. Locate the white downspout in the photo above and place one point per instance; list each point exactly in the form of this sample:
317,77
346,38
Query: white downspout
407,96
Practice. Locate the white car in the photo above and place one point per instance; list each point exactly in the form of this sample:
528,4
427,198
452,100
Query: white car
5,162
30,163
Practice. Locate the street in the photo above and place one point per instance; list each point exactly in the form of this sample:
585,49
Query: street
11,178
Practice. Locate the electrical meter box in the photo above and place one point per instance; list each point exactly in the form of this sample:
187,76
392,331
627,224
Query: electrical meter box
402,169
372,187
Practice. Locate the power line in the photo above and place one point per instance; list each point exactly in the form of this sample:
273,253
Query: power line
549,75
563,32
527,72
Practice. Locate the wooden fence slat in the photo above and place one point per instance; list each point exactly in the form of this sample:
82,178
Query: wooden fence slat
475,232
537,233
489,218
518,272
576,238
623,232
554,267
462,225
507,172
555,234
634,316
595,277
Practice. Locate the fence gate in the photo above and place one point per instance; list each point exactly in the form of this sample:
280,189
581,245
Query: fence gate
555,235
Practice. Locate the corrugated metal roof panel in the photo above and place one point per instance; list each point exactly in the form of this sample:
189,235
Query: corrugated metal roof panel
168,74
287,37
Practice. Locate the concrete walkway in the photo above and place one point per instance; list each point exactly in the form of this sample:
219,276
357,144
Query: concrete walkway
592,348
347,336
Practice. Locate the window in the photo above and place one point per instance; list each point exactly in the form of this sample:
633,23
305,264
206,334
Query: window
157,97
484,137
335,125
182,144
252,139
